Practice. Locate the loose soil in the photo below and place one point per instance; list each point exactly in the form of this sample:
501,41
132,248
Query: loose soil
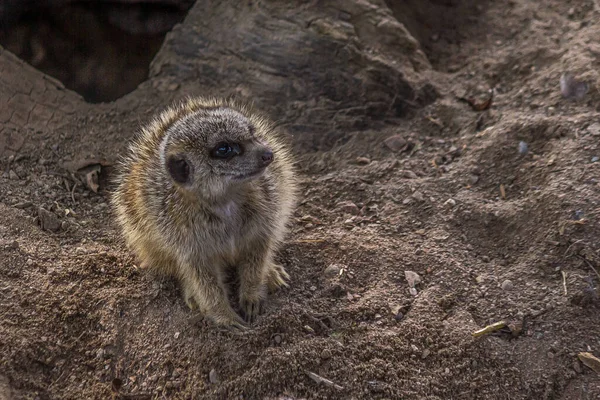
494,233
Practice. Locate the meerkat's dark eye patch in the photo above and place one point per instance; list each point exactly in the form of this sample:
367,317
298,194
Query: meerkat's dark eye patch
226,150
179,169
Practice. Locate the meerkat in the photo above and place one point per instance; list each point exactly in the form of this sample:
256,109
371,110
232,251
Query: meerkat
208,188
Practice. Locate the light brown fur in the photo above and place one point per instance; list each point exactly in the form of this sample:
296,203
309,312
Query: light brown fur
201,231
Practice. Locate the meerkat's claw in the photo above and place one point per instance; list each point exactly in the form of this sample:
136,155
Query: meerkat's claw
251,309
234,324
277,278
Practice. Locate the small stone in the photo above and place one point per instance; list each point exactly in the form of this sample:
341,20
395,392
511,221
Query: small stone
326,354
412,278
450,202
333,270
277,339
413,291
362,160
408,174
594,129
523,148
213,377
399,316
507,285
12,175
595,159
313,288
176,335
348,207
29,262
48,220
473,179
395,143
425,353
577,367
418,196
24,204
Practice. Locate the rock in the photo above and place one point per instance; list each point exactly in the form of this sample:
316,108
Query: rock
395,143
507,285
523,148
450,202
24,204
473,179
572,88
277,339
333,270
418,196
425,353
412,278
594,129
48,220
595,159
399,316
326,354
362,160
413,291
213,378
408,174
374,84
12,175
348,207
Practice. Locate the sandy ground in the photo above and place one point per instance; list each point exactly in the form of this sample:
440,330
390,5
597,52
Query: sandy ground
496,230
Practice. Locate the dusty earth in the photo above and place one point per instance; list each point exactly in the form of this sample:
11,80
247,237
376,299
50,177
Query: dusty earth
495,228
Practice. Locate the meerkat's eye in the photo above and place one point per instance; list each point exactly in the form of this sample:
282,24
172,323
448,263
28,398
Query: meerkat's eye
179,169
226,150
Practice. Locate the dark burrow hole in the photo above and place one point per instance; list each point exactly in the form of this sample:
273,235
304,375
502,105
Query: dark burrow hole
100,49
442,26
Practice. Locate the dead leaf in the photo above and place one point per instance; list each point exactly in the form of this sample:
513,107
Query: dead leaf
87,171
590,361
479,106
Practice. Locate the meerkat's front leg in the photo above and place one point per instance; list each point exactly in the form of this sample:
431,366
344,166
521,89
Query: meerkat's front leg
203,288
252,272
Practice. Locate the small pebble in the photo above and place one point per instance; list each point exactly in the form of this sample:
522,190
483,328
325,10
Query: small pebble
523,148
333,270
409,174
213,377
412,278
362,161
425,353
277,339
507,285
399,316
450,202
418,196
12,175
326,354
595,159
395,143
413,291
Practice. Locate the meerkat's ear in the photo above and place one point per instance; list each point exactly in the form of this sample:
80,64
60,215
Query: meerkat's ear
179,169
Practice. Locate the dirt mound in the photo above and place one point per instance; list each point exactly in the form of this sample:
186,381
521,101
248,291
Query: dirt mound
496,210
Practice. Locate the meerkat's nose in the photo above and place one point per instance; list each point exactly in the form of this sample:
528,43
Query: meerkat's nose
267,157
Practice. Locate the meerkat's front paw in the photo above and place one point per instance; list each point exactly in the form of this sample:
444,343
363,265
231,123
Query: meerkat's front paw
251,306
230,321
277,278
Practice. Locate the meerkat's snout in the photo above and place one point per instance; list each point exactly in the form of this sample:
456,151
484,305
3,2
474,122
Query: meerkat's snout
267,157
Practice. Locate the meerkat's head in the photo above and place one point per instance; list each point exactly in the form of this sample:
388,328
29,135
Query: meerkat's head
213,150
